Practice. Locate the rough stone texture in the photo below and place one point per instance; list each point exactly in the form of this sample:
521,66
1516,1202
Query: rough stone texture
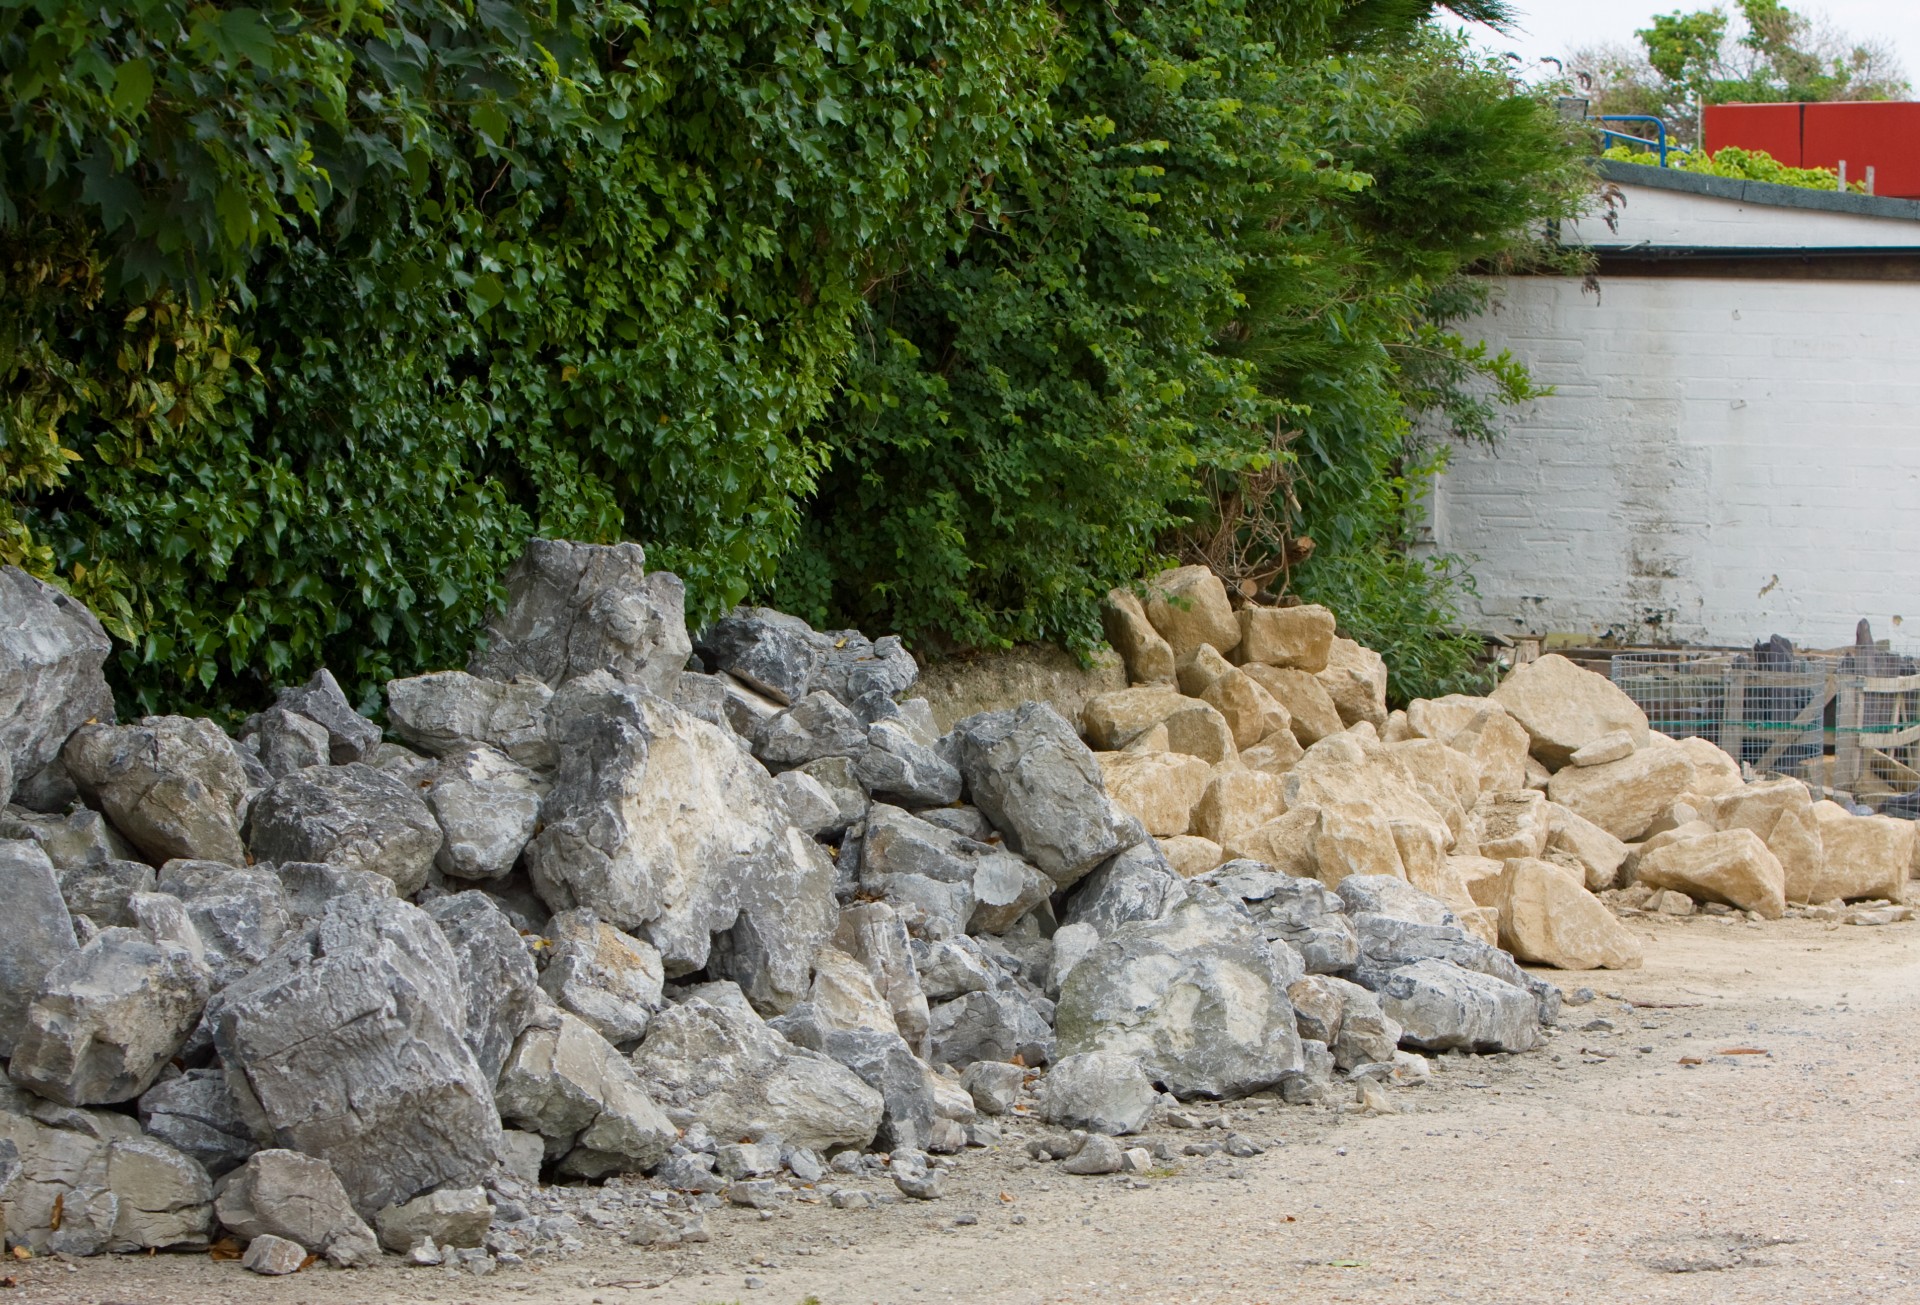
108,1018
661,826
713,1055
873,934
609,979
1441,1007
1861,856
353,817
310,885
1563,707
998,1024
449,712
818,725
1498,745
1599,854
1613,746
1041,787
1302,913
946,969
51,652
1375,816
1196,997
1362,1033
885,1063
1250,711
785,658
1111,721
350,736
1310,709
567,1083
1098,1091
1136,884
349,1044
810,807
281,1193
1149,657
174,787
195,1114
239,916
1356,679
1624,797
288,741
1276,754
273,1257
1548,918
836,776
1512,823
896,767
1731,866
1005,889
1290,844
1156,788
1780,811
1188,606
573,609
993,1085
488,806
1191,855
449,1217
72,840
1072,943
1236,802
1714,772
497,975
1299,638
105,1186
38,936
843,996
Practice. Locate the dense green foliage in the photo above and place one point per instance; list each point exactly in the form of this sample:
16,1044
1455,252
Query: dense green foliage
1772,55
1741,165
941,316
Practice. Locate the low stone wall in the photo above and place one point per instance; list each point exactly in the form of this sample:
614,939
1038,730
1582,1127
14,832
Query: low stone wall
1032,672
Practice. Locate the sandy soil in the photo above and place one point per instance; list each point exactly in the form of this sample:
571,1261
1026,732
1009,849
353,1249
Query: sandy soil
1605,1168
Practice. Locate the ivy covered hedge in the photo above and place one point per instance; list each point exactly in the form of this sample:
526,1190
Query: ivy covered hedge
937,315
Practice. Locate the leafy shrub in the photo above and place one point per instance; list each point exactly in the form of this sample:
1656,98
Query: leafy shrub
1741,165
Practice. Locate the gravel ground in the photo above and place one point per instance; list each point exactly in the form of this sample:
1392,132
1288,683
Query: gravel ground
1608,1167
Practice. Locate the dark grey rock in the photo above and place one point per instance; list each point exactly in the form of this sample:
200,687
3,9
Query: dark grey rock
103,890
282,1193
51,652
238,915
38,936
1302,913
568,1084
886,1064
488,807
195,1114
353,817
1136,884
1313,1083
810,808
1441,1007
496,974
773,653
997,1025
310,885
72,840
896,767
449,712
287,741
816,726
350,736
966,821
174,787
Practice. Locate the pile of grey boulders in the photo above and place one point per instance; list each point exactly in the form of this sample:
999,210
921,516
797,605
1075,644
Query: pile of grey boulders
723,910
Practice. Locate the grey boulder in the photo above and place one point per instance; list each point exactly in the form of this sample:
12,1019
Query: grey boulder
897,767
945,883
195,1114
286,741
1136,884
239,916
350,736
349,1043
353,817
103,890
1038,783
488,807
995,1025
1441,1007
1302,913
174,787
495,972
573,609
886,1064
810,807
819,725
1098,1091
784,658
51,653
567,1084
72,840
452,1216
38,936
449,712
609,979
280,1193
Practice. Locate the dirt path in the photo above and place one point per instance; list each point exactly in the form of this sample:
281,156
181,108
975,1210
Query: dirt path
1603,1169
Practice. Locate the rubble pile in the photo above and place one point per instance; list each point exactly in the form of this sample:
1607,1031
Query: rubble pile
726,911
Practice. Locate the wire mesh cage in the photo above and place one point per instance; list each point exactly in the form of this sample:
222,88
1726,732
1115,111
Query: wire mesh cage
1846,721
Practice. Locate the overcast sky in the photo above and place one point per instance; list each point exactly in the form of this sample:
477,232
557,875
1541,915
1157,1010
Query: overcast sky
1553,27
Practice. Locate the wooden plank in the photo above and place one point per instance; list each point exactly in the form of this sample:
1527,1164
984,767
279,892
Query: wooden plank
1849,715
1799,725
1733,711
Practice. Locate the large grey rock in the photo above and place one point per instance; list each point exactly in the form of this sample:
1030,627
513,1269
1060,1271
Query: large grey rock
609,979
488,806
496,974
38,936
949,968
1029,772
51,652
835,775
349,1044
897,767
818,725
72,840
810,807
1197,997
103,890
1302,913
449,712
452,1216
662,827
310,885
1097,1091
1345,1017
885,1063
286,741
995,1025
280,1193
175,787
194,1114
946,883
785,658
350,736
873,934
273,1257
1136,884
1441,1007
238,915
108,1018
568,1084
353,817
89,1182
713,1055
1005,890
573,609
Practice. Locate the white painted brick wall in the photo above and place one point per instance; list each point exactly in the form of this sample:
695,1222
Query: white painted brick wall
1723,460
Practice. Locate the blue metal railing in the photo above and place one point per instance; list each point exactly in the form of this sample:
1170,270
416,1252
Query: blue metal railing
1658,141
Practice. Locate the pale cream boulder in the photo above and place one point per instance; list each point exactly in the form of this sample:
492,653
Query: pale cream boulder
1447,779
1300,638
1396,729
1564,707
1110,721
1188,606
1289,844
1481,875
1511,824
1613,746
1155,739
1157,788
1201,668
1373,817
1309,707
1548,918
1191,855
1148,657
1498,746
1198,730
1780,811
1237,802
1862,856
1624,797
1538,776
1598,853
1731,866
1442,718
1276,754
1714,772
1250,711
1356,679
1630,868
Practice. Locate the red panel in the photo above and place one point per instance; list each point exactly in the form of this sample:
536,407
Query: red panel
1774,128
1885,136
